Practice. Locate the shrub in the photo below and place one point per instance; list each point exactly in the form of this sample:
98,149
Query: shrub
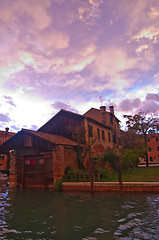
58,185
130,157
110,157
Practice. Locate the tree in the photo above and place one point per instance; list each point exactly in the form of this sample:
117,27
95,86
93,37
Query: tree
78,134
110,157
142,124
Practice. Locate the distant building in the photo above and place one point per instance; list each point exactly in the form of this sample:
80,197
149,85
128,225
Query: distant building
153,148
4,136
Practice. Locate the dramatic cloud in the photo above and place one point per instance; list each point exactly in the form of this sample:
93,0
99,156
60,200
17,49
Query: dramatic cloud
153,97
4,118
149,106
64,54
89,11
61,105
129,104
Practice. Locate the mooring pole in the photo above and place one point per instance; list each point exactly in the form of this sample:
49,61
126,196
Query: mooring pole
118,166
91,176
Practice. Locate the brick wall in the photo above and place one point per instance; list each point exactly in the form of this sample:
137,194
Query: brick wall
153,148
63,157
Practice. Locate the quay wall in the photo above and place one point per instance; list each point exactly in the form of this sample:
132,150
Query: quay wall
113,186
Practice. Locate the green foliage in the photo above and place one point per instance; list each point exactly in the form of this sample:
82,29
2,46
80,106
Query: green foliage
110,157
129,158
142,123
69,170
58,185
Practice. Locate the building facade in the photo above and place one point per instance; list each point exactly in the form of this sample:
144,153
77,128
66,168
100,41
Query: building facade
4,136
39,158
153,148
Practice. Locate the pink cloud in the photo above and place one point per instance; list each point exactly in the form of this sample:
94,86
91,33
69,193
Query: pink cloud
153,97
129,104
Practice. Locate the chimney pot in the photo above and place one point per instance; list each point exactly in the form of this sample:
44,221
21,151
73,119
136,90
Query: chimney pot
111,109
7,129
102,109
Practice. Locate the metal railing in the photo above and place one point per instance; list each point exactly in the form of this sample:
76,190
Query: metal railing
84,177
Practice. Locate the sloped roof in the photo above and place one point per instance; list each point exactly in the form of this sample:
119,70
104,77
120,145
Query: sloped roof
7,133
55,117
56,139
96,115
76,115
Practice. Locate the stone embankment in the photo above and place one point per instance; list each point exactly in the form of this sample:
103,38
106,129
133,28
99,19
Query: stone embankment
112,186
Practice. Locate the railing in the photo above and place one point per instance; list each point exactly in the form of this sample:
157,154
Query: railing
85,177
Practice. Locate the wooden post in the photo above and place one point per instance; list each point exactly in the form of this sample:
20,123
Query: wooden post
13,170
118,166
22,176
91,176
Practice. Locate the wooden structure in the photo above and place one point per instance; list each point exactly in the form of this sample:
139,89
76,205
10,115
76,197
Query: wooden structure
39,158
35,170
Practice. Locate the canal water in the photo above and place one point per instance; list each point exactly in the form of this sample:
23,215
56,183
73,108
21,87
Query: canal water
45,214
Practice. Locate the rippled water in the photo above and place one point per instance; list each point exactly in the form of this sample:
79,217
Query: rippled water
45,214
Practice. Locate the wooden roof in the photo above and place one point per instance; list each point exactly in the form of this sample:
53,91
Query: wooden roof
57,116
56,139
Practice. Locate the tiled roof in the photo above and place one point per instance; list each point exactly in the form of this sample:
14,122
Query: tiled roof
56,139
7,133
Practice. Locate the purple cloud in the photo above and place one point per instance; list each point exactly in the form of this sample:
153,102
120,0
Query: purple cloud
152,96
61,105
34,127
7,97
9,100
15,128
129,104
4,118
149,106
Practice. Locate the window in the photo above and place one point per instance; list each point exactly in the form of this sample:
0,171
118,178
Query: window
114,138
149,149
151,159
103,135
156,139
157,148
109,139
111,120
28,141
98,133
90,131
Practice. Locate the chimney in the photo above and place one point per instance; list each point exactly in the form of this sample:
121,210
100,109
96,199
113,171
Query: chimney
103,113
7,129
111,109
102,109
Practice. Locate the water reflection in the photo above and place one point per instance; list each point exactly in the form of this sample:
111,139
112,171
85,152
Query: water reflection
44,214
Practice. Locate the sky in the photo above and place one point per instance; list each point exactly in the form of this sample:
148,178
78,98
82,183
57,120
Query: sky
74,55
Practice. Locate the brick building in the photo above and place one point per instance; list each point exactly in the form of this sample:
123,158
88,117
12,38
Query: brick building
4,136
153,148
39,158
